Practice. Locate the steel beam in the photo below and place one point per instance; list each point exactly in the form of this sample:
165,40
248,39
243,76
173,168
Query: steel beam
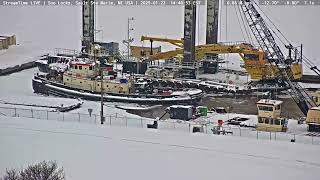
212,21
189,31
87,23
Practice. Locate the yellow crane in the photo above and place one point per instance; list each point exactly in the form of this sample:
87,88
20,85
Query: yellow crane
254,59
175,42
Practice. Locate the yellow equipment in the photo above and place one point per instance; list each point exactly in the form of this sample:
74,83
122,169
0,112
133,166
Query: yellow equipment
313,116
254,59
269,118
175,42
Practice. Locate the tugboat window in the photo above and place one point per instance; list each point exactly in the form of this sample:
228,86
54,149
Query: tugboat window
260,119
90,68
80,67
271,121
76,67
265,108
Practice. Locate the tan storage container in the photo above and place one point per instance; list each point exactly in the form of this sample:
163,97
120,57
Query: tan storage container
5,43
10,38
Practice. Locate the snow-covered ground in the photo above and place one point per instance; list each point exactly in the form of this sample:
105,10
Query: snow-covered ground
98,152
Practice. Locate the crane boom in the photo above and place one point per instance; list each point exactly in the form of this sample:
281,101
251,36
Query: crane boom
202,50
175,42
274,54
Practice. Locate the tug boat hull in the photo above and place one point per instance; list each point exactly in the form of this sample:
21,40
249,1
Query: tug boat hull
46,87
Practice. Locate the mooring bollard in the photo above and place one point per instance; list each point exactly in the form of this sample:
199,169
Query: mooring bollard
294,138
62,116
110,120
31,113
47,115
15,112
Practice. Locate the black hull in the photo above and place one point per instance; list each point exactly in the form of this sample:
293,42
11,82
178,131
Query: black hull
43,86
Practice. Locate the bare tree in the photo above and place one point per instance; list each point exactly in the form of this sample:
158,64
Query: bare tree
40,171
11,174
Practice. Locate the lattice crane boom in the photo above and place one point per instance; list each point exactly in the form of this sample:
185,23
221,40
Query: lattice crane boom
274,54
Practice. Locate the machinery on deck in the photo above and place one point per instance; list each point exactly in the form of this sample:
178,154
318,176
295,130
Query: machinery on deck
255,62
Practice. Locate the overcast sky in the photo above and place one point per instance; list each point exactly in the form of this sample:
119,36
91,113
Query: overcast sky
50,27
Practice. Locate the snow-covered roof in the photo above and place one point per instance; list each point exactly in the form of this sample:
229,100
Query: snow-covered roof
180,106
315,108
270,102
42,61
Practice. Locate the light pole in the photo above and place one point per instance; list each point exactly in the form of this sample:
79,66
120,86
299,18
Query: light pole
101,76
102,119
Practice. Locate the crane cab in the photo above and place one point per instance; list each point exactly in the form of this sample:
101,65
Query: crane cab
313,119
269,116
316,97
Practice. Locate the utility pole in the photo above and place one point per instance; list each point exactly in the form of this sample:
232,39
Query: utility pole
102,119
102,90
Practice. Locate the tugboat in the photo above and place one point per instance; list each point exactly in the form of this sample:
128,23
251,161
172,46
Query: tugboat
59,60
85,76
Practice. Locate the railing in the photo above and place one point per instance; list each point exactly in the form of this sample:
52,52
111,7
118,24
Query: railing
176,125
66,52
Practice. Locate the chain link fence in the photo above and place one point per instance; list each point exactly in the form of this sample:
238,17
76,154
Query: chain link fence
177,125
